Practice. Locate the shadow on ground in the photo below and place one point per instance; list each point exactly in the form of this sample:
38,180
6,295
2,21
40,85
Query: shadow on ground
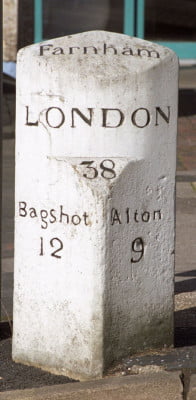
187,102
188,285
17,376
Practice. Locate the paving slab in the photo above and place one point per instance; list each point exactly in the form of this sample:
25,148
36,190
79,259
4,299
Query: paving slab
192,388
161,385
187,78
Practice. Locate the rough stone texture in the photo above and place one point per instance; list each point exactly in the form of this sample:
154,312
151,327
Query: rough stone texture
95,179
185,286
187,139
162,386
9,29
192,388
186,201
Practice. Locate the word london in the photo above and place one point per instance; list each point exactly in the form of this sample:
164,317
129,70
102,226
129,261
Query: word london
103,117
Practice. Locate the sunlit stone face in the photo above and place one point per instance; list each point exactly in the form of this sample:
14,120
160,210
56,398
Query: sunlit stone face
95,178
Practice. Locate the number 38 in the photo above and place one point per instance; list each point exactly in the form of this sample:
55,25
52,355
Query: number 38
106,166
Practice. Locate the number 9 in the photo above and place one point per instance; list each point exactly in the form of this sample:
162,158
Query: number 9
138,247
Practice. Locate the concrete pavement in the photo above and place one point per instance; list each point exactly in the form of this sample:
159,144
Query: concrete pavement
191,395
151,386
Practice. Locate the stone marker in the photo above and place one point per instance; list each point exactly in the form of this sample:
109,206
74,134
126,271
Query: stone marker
95,186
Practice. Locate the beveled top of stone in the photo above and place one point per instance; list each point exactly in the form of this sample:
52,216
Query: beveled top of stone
99,49
97,94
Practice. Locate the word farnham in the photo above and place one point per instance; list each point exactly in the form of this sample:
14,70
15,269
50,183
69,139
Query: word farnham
48,49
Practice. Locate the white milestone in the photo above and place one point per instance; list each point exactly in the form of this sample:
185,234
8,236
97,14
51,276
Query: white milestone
95,186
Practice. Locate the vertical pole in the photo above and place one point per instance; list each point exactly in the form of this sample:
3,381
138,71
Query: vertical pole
38,21
129,17
140,19
1,139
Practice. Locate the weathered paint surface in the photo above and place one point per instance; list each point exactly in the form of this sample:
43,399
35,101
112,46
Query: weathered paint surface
95,180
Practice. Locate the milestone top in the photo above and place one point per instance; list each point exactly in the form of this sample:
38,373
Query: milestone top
96,93
104,48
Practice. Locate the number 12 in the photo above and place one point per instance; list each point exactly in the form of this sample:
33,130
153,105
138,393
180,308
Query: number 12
54,242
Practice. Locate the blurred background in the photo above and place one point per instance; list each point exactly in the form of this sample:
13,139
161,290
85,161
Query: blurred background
172,23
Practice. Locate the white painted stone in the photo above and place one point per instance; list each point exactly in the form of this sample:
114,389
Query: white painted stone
96,140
